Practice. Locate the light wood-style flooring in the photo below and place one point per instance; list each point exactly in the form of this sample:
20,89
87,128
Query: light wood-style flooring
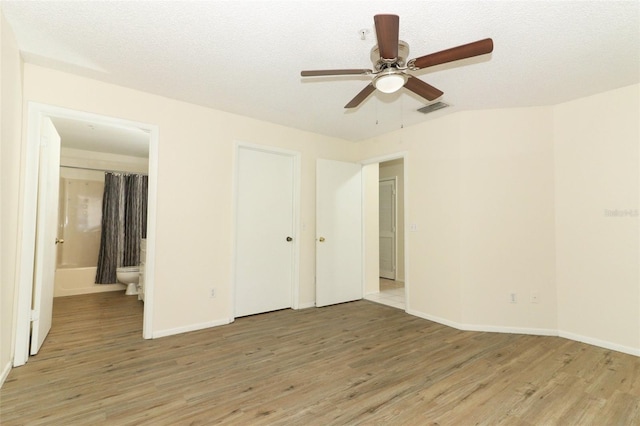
357,363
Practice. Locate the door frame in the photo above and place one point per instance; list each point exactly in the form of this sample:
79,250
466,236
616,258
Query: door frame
404,156
296,157
393,179
27,228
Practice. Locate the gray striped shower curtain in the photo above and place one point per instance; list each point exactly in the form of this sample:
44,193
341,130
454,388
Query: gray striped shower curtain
124,223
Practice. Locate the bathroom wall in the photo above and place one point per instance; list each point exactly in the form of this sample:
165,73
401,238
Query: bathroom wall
80,215
80,221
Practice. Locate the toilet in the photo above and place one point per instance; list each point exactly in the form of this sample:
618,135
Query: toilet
129,275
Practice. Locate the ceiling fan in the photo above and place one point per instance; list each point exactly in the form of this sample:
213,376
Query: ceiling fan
390,65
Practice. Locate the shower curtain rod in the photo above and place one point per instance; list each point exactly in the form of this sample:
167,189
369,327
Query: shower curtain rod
102,170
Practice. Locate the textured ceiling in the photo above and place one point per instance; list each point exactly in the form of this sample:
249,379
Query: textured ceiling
91,136
245,57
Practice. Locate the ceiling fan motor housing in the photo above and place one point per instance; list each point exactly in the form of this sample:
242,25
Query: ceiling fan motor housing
379,63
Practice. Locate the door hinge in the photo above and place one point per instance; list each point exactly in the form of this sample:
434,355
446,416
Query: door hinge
35,315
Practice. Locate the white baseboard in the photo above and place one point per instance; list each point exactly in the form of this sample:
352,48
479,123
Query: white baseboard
601,343
306,305
188,328
532,331
5,372
433,318
512,330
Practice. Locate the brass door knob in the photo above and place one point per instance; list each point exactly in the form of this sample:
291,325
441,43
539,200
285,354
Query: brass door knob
321,239
289,239
59,241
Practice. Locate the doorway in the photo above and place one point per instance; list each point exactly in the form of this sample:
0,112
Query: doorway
37,114
390,286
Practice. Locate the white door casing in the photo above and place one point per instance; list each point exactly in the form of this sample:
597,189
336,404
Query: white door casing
265,230
339,232
27,241
46,232
387,219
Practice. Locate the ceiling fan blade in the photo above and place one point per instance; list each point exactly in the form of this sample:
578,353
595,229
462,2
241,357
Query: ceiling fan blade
318,73
364,93
469,50
423,89
387,29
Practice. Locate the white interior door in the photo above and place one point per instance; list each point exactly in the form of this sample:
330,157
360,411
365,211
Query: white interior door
387,235
339,232
264,231
46,231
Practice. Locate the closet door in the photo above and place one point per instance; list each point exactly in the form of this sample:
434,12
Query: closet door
264,261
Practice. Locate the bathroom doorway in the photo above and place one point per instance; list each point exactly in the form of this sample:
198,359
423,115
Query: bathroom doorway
76,121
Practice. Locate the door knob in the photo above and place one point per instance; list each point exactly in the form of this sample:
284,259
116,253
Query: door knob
289,239
59,241
321,239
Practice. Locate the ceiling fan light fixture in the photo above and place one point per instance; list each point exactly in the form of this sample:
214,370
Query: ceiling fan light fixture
390,81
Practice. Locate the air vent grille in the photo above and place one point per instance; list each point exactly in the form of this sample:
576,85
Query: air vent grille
432,107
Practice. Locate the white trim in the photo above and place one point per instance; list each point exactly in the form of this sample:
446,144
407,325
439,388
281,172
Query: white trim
306,305
152,211
192,327
5,372
387,157
26,250
29,192
529,331
601,343
434,318
394,180
485,328
363,233
297,176
510,330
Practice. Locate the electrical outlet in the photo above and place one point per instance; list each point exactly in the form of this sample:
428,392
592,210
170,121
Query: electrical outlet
535,297
513,298
213,293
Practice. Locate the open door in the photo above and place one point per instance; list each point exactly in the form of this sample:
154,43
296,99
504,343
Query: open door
339,232
46,231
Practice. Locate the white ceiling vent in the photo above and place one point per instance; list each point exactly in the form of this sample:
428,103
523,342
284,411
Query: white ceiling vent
432,107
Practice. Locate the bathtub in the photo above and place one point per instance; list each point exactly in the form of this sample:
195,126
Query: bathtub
72,281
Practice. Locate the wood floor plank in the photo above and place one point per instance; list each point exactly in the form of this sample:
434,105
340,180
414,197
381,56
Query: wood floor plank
349,364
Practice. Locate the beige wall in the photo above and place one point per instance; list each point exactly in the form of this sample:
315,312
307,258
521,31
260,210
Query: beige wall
596,167
507,218
395,169
195,189
11,123
500,197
